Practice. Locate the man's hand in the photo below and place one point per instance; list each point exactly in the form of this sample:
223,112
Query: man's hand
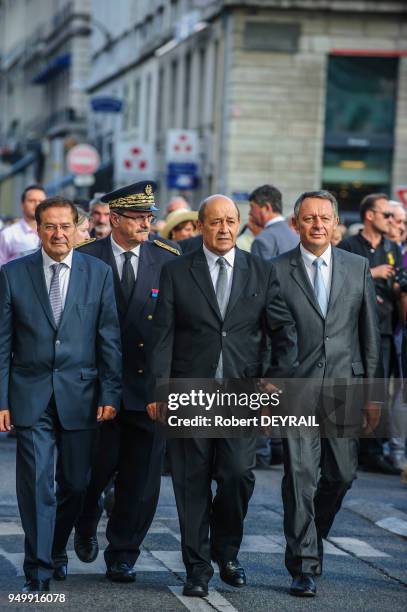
157,411
384,271
105,413
371,417
266,386
5,420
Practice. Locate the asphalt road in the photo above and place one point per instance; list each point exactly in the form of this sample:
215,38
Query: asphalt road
365,565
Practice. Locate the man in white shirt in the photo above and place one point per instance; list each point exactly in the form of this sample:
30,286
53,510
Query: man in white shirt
214,308
22,237
331,297
60,373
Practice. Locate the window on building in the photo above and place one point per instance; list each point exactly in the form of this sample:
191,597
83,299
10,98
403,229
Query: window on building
160,90
187,91
359,126
173,92
136,103
148,109
126,107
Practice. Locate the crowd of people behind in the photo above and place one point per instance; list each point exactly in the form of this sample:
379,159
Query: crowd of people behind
143,263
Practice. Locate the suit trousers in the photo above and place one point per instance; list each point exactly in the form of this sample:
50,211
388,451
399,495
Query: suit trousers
133,446
194,464
317,473
47,518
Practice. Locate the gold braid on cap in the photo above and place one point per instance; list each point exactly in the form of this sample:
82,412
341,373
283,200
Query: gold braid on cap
135,199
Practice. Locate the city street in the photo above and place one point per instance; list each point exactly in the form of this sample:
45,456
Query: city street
364,568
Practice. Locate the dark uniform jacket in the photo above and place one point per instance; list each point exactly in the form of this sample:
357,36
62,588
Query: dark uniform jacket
136,318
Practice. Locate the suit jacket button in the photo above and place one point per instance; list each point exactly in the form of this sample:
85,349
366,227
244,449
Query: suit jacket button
320,364
58,342
140,344
149,317
55,369
224,333
140,371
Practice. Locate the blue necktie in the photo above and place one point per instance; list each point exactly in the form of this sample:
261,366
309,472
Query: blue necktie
319,286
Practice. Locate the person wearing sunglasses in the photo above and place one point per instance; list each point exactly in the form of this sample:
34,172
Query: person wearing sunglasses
384,257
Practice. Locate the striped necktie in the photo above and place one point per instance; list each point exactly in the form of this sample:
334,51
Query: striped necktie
55,297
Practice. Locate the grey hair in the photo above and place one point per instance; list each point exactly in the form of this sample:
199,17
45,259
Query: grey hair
322,195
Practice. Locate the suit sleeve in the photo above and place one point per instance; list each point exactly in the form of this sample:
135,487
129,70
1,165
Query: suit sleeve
108,347
163,333
6,336
282,331
263,247
369,334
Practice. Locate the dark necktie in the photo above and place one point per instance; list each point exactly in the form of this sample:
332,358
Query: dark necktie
128,278
55,297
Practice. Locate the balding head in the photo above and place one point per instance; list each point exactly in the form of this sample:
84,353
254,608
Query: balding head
177,203
219,222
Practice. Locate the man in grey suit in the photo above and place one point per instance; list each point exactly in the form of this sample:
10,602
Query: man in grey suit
60,373
266,210
332,299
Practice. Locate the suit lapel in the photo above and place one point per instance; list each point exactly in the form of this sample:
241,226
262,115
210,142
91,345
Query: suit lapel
200,272
75,286
239,280
108,257
36,273
338,276
299,274
142,289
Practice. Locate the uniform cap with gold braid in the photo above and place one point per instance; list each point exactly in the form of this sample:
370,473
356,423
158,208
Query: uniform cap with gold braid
137,197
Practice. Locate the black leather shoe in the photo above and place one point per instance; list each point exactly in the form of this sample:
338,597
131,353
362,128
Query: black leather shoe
60,572
303,586
121,572
35,586
194,588
86,549
232,573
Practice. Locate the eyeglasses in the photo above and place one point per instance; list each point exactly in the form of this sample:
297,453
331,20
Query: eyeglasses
386,215
65,227
139,218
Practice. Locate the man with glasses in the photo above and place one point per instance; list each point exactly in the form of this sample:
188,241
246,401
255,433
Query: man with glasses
384,257
130,445
60,373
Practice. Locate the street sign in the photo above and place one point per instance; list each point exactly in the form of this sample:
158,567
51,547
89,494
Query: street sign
106,104
84,180
133,160
182,146
401,191
182,153
83,159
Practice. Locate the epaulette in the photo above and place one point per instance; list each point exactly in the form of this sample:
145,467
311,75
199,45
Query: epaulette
166,246
88,241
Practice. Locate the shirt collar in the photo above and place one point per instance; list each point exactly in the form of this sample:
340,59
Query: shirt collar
309,257
27,229
277,219
118,250
48,261
212,258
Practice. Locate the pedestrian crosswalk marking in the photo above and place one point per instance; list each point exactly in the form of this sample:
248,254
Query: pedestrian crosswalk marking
393,524
214,601
358,547
172,559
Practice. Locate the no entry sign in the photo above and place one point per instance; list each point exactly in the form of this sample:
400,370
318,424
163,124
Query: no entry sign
83,159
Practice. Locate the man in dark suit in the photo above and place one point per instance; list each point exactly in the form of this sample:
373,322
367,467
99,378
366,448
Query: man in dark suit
214,307
60,373
332,299
131,445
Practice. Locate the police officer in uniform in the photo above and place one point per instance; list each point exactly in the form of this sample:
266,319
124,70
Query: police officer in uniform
130,445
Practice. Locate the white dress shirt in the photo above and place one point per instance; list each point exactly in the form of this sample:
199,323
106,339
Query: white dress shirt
326,270
64,273
16,240
214,268
119,257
